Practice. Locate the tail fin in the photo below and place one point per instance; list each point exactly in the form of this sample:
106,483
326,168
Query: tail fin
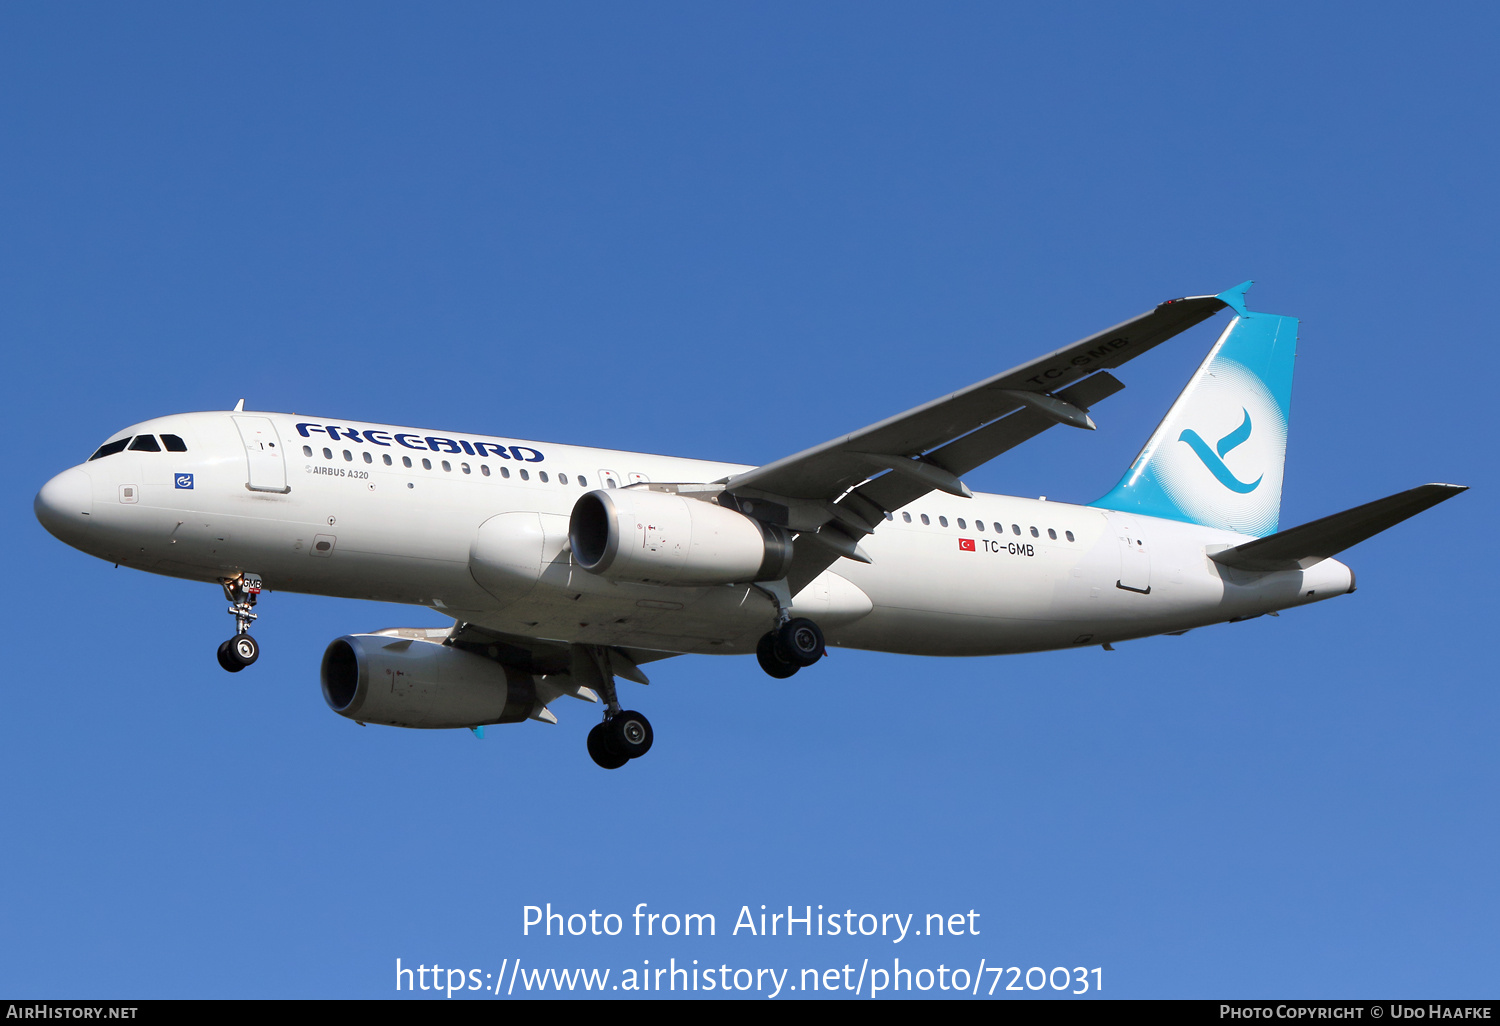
1216,459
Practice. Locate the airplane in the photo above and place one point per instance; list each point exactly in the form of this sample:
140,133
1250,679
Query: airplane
565,567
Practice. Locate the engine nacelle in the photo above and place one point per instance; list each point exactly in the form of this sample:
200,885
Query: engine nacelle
632,534
401,682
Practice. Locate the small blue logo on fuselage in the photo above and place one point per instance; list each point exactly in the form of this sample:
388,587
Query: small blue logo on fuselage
184,480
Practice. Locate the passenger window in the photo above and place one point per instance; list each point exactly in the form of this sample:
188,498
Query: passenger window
176,444
542,476
447,466
889,517
562,478
1034,533
1016,528
426,463
1070,535
505,472
348,456
307,450
943,521
406,462
925,521
962,524
145,443
327,453
525,475
464,467
906,517
582,481
484,469
1051,534
109,449
369,458
386,457
979,525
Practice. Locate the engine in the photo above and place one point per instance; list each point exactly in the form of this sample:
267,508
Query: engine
402,682
662,538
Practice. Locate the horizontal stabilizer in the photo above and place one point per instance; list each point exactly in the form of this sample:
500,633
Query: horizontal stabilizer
1300,547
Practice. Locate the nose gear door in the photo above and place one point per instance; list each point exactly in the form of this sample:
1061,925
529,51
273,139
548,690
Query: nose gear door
267,467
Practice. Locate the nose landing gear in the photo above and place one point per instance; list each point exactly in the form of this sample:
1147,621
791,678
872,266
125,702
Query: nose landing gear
241,650
238,653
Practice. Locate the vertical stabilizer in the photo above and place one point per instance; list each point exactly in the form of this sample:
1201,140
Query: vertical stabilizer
1216,459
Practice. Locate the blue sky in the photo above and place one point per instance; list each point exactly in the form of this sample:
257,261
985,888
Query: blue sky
732,232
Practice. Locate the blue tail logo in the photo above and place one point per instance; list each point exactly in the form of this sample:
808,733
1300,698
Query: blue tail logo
1243,392
1214,461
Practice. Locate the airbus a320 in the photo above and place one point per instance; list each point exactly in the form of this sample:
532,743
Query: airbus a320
565,567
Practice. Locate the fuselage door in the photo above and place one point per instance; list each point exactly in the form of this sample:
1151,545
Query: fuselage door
1135,558
267,467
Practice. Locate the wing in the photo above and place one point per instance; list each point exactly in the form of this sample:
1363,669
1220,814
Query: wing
836,493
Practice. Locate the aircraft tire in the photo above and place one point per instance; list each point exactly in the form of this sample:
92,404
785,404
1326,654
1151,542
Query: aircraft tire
629,734
801,641
768,653
227,660
243,649
599,749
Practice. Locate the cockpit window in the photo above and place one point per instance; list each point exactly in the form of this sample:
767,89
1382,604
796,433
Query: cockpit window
173,443
110,448
145,443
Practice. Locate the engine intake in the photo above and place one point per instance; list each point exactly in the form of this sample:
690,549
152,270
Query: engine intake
401,682
662,538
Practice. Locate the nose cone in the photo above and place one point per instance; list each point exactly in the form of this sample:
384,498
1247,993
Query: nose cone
65,503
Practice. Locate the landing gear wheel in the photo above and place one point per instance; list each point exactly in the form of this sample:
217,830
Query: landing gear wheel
800,641
600,751
772,659
238,652
244,649
629,734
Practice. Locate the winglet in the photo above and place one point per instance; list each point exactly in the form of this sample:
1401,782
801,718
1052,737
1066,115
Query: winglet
1235,298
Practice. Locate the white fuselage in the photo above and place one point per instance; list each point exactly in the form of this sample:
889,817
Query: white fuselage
331,508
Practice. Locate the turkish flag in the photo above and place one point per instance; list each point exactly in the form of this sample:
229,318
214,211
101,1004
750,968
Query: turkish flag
966,544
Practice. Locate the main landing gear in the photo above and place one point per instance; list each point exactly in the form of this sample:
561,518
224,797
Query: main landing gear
241,650
796,643
624,734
